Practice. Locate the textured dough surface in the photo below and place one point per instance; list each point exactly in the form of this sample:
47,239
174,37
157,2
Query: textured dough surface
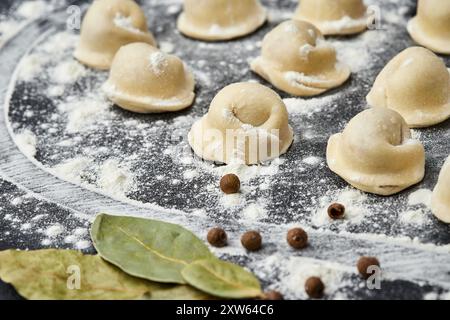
144,79
215,20
108,25
334,17
440,201
375,153
431,26
296,58
246,122
416,84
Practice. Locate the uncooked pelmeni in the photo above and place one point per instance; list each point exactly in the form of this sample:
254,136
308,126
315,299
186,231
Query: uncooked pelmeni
215,20
246,122
440,201
108,25
295,58
334,17
144,79
375,153
431,26
416,84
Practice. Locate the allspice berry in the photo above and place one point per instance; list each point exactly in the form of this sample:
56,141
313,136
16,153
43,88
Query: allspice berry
230,183
297,238
251,240
314,287
364,263
273,295
217,237
336,211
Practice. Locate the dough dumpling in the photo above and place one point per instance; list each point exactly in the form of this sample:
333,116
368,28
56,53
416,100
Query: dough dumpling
334,17
431,27
108,25
295,58
375,153
416,84
216,20
440,201
144,79
246,122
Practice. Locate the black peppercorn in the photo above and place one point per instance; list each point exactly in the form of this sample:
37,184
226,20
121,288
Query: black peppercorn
230,183
314,287
273,295
297,238
336,211
251,240
217,237
364,263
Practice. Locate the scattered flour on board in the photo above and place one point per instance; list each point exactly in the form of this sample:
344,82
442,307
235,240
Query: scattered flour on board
32,9
308,107
353,200
420,197
254,212
312,160
296,270
418,210
68,72
72,169
115,178
54,230
26,141
82,113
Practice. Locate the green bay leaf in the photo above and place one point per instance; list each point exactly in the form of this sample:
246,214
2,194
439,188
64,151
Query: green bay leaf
222,279
47,275
145,248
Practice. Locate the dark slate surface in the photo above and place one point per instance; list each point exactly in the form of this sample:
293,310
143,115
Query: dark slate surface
182,196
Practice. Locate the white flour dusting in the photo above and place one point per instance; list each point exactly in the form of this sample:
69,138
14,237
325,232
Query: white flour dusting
115,178
68,72
307,107
125,23
421,196
32,9
354,202
26,141
254,211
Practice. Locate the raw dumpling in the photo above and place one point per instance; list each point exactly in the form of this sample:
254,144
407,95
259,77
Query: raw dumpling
431,27
108,25
416,84
220,19
334,16
246,122
375,153
440,201
144,79
295,58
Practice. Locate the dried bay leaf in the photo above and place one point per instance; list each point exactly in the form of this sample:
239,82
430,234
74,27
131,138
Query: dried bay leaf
148,249
45,274
48,274
222,279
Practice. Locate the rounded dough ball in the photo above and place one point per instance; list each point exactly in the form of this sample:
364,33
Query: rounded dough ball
246,122
144,79
295,58
108,25
375,153
334,17
416,84
215,20
431,27
440,201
